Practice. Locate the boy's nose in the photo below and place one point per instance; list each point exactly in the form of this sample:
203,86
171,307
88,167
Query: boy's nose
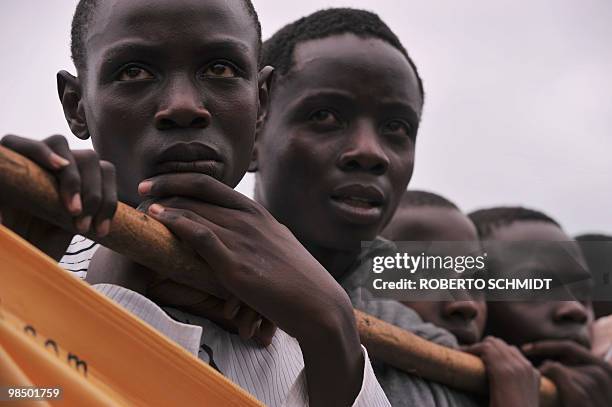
571,312
466,310
364,152
183,109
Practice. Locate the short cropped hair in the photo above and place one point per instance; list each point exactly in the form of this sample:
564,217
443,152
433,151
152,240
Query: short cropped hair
424,198
83,15
278,49
593,237
487,220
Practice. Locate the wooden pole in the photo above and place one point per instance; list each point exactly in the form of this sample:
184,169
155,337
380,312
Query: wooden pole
133,234
148,242
418,356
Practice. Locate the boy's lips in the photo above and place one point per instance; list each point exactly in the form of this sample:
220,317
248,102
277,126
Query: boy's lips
581,338
466,335
357,203
191,151
189,157
208,167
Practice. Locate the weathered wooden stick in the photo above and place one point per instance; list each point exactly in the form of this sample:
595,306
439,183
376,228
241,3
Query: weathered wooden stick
148,242
133,234
431,361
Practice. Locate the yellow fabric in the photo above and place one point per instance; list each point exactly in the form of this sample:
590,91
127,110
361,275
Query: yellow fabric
50,322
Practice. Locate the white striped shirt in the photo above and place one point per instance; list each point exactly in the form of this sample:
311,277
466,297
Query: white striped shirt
275,374
77,257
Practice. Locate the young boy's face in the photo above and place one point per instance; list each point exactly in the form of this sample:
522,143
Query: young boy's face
520,322
337,149
466,318
171,86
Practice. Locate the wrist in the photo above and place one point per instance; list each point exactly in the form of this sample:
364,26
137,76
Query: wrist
333,358
332,342
329,323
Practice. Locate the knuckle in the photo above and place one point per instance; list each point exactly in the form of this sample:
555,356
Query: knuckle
284,229
487,347
86,156
71,180
252,209
203,235
108,168
240,223
92,200
528,370
515,368
505,370
56,140
9,140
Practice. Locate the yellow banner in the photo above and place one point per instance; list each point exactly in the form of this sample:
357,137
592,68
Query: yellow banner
56,331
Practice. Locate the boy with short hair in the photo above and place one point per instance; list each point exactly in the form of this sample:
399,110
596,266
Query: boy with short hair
338,145
428,217
553,332
336,149
597,252
336,152
170,93
340,134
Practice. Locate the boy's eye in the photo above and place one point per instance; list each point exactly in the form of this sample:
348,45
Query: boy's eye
220,70
324,117
134,73
397,127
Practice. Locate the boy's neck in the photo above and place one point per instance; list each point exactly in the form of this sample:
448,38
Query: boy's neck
336,262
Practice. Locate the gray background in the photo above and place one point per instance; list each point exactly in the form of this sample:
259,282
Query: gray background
519,94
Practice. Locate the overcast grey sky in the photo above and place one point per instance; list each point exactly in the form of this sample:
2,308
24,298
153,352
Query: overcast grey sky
519,94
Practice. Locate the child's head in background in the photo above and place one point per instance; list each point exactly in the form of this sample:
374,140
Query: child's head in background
597,250
520,322
425,216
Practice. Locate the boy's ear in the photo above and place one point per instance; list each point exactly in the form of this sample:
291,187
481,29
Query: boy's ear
264,83
253,165
69,91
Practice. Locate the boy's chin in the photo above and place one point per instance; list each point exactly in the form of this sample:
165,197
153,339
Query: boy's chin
582,340
466,336
343,242
353,237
